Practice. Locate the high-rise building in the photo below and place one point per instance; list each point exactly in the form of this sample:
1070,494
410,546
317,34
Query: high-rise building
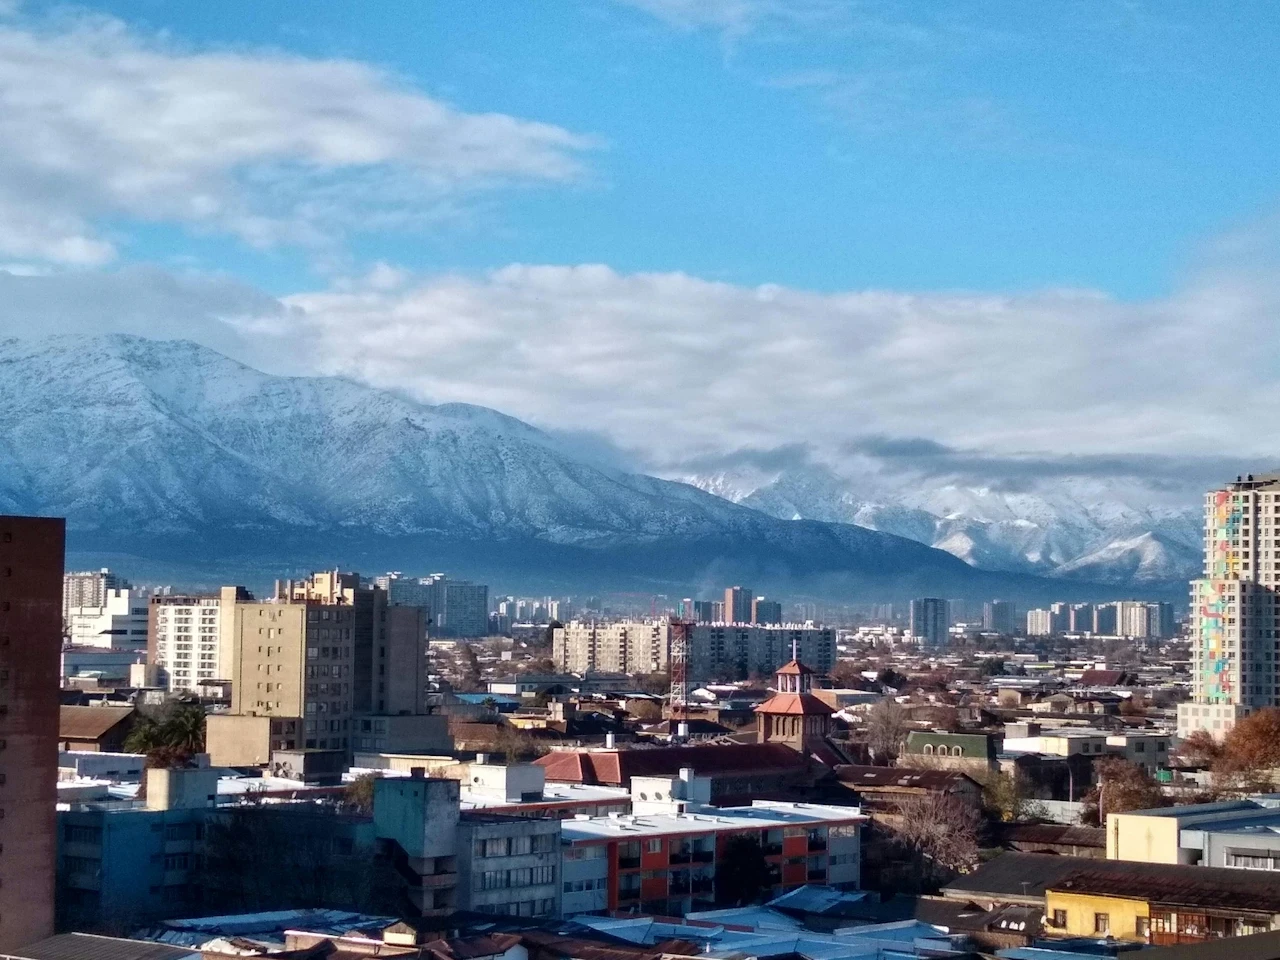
716,650
1106,622
737,604
1059,618
186,642
765,611
1081,618
1039,623
311,666
455,608
1235,608
31,565
930,621
998,616
1160,620
88,588
119,622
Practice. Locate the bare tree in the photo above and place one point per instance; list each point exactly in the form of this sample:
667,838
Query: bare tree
886,729
939,832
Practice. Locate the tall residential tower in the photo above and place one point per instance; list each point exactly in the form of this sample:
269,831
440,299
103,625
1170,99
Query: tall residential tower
1235,608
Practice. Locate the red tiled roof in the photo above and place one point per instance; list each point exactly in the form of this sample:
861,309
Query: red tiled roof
617,767
805,704
794,669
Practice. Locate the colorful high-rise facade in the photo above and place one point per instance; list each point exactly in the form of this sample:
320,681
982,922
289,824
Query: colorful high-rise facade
1235,608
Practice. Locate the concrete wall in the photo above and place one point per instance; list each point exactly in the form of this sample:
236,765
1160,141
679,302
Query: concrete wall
520,899
1147,839
1082,911
269,652
238,741
31,568
418,813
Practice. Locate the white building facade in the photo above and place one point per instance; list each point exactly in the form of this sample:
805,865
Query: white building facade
120,622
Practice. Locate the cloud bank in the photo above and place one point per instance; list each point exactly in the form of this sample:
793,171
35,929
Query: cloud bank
100,123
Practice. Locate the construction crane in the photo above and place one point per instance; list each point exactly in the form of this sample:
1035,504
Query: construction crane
678,670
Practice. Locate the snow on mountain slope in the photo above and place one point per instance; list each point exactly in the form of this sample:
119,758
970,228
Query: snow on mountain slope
1070,527
172,444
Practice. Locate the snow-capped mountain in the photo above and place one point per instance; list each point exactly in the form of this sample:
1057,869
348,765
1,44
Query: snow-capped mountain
1094,528
169,453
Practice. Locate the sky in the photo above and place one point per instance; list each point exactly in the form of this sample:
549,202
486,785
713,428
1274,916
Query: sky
995,239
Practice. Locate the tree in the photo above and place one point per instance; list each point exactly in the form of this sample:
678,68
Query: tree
1253,743
1200,748
169,738
742,874
655,683
1122,786
1006,798
886,729
471,675
358,794
645,710
848,674
888,677
939,832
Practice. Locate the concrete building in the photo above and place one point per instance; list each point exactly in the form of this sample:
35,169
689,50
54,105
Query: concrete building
1235,608
89,588
1080,618
309,668
664,861
716,649
1039,623
999,616
930,621
1105,620
794,716
186,642
1059,618
120,622
509,865
766,612
31,571
1239,834
737,604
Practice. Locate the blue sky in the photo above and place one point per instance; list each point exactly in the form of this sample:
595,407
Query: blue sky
693,231
996,146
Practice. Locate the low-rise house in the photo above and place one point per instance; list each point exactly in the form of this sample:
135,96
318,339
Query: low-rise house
97,729
883,789
955,751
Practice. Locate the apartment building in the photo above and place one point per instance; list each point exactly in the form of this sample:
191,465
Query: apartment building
320,663
766,612
716,649
186,642
119,622
31,570
999,616
930,619
1039,623
89,588
1235,608
455,608
663,858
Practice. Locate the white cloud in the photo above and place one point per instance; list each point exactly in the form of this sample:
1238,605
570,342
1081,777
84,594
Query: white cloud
739,16
676,367
100,123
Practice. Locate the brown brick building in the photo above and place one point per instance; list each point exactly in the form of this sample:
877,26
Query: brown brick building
31,567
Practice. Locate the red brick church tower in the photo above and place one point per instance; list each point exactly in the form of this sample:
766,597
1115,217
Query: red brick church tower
794,716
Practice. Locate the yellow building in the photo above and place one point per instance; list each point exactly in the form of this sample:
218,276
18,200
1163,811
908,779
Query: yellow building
1070,914
1149,836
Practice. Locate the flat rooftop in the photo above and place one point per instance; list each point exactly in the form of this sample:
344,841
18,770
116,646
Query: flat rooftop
762,815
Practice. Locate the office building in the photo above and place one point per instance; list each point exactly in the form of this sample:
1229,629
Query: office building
716,650
1235,608
31,570
737,604
454,608
930,620
89,588
998,616
119,623
766,611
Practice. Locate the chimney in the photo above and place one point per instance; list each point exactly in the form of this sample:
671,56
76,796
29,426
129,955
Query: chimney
610,741
682,729
482,758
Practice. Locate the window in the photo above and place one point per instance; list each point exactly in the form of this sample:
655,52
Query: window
1143,927
1102,923
653,846
1059,918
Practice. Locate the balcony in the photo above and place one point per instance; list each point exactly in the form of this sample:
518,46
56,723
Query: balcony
679,887
817,843
817,876
681,856
439,880
703,856
772,849
628,863
702,884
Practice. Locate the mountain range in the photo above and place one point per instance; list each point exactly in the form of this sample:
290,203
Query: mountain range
172,461
1102,529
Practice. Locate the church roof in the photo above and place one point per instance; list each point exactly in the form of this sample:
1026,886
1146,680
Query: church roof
795,704
794,669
